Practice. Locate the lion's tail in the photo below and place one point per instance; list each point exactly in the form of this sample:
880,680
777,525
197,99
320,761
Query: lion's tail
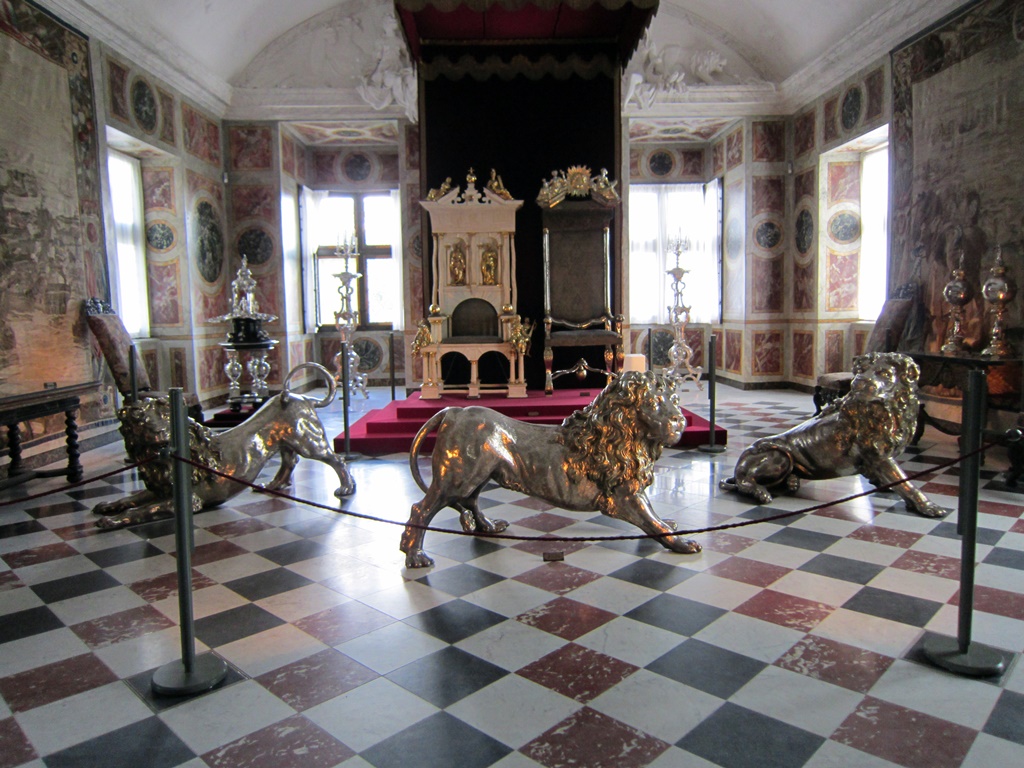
414,451
332,388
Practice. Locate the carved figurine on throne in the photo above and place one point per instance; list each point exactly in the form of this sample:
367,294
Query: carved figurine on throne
457,265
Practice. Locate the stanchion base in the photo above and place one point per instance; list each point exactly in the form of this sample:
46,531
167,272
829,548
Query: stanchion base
708,448
172,680
979,661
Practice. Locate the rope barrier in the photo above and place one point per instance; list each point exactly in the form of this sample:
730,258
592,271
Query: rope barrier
584,539
510,536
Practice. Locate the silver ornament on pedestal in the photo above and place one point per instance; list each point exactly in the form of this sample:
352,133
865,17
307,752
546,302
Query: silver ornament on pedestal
958,292
999,290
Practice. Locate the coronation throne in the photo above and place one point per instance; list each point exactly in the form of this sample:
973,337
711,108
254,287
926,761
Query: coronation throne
474,296
578,270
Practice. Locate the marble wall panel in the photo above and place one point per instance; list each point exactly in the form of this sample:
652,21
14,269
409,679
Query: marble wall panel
768,194
734,351
804,133
834,360
250,147
830,120
767,285
767,353
842,276
201,135
803,354
768,138
734,149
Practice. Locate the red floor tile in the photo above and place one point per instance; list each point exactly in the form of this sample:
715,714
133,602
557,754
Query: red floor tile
786,610
876,534
577,672
294,742
315,679
566,618
749,571
595,740
559,578
838,663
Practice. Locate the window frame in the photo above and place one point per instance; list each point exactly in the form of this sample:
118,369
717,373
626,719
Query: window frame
119,290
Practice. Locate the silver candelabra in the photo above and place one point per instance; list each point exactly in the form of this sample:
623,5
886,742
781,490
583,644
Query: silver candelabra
346,320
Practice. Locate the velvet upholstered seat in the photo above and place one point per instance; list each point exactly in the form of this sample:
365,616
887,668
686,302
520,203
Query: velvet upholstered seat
117,347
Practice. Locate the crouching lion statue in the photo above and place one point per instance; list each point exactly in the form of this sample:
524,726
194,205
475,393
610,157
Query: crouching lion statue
287,424
860,433
600,459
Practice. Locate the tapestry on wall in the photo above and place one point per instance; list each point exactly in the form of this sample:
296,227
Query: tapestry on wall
958,113
52,254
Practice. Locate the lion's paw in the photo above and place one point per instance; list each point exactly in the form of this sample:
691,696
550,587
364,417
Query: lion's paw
929,509
486,525
417,558
109,523
681,545
762,495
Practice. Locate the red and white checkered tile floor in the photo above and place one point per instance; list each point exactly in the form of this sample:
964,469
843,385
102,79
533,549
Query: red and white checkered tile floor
789,643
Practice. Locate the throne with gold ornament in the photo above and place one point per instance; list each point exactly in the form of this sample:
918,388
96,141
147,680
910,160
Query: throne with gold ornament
577,214
473,263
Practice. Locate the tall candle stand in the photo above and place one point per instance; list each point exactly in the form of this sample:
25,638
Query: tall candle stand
345,320
958,292
680,353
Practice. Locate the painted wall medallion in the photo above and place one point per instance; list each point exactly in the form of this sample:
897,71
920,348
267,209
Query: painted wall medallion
210,242
256,244
844,227
853,103
768,235
357,167
370,354
804,231
661,163
160,236
144,106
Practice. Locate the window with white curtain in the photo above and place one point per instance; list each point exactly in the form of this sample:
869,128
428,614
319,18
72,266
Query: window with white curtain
370,222
874,240
659,215
131,293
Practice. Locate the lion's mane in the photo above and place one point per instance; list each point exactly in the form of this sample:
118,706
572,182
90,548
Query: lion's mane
608,442
885,423
145,426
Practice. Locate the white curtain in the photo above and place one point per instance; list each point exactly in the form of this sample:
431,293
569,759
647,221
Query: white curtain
130,282
659,215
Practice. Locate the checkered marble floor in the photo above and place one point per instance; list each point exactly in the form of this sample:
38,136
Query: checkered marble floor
789,643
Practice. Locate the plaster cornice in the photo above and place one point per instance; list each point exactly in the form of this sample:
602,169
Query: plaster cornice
115,25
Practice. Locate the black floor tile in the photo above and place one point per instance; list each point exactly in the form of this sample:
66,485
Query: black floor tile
142,686
294,552
446,676
676,614
734,737
906,609
454,621
988,536
464,549
763,513
803,539
148,742
228,626
1007,558
439,741
125,553
460,580
653,574
1007,719
21,624
267,583
74,586
707,668
842,568
20,529
52,510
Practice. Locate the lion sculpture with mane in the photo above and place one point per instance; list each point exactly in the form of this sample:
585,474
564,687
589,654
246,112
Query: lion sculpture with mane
601,458
287,424
861,433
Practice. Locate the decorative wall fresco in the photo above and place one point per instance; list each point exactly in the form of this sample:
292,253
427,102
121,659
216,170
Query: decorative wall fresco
843,182
830,120
718,158
734,351
209,241
767,348
852,108
353,169
804,133
804,186
769,141
158,189
834,360
288,156
768,194
250,148
874,91
957,118
767,285
144,106
253,201
666,164
842,275
734,149
179,367
160,236
256,244
201,135
803,354
167,132
49,199
164,293
117,86
804,287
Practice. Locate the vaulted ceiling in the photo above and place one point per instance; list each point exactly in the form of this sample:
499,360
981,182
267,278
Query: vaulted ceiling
300,59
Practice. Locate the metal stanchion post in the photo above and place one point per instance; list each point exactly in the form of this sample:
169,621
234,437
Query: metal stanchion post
710,446
133,373
345,395
959,654
191,674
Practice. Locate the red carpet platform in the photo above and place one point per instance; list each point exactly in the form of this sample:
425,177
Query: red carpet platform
391,429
